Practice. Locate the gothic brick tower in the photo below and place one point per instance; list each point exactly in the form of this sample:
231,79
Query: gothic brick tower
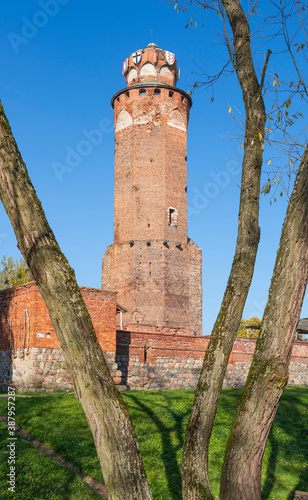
153,266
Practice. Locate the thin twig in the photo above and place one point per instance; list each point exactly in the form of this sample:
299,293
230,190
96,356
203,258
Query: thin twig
264,70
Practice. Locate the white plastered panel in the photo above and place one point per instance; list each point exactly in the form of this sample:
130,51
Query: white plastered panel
124,120
164,70
148,69
175,119
132,74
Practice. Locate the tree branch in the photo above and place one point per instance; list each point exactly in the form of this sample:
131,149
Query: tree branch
264,70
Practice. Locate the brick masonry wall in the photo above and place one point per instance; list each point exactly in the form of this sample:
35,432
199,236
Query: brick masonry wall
143,360
155,282
164,361
153,266
156,57
195,287
23,331
150,165
155,330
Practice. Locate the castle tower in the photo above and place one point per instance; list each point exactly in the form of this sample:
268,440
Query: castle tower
153,266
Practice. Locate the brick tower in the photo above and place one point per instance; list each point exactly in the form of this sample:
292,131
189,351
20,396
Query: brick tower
152,264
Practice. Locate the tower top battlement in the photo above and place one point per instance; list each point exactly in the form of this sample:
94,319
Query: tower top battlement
151,64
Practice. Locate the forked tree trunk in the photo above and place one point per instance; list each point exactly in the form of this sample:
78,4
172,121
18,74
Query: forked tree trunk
196,484
241,475
104,407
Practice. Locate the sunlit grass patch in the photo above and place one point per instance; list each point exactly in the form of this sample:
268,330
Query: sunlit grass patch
160,419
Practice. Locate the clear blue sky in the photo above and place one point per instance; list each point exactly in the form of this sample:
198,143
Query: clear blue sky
59,71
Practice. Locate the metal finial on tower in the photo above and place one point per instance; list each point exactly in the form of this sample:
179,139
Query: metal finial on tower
152,44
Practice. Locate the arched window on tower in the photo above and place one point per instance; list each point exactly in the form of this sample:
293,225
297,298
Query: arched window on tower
172,216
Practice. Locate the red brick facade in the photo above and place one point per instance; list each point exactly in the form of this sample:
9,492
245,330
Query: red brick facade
25,322
153,266
163,361
136,342
141,357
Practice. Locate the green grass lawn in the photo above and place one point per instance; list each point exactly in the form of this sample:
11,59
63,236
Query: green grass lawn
159,418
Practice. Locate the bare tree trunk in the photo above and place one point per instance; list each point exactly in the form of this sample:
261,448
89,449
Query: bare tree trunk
196,484
241,475
104,407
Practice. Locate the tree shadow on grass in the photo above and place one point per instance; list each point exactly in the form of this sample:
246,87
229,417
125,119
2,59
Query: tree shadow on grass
169,450
287,440
271,468
53,420
37,476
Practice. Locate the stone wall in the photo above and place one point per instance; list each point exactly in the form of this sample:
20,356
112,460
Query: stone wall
30,354
139,366
148,360
151,359
44,369
183,373
41,369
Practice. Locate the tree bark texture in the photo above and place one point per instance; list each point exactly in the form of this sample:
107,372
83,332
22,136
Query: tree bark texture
268,375
196,484
104,407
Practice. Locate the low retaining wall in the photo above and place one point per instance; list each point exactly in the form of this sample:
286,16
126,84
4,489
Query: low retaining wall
183,373
141,361
41,369
157,361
